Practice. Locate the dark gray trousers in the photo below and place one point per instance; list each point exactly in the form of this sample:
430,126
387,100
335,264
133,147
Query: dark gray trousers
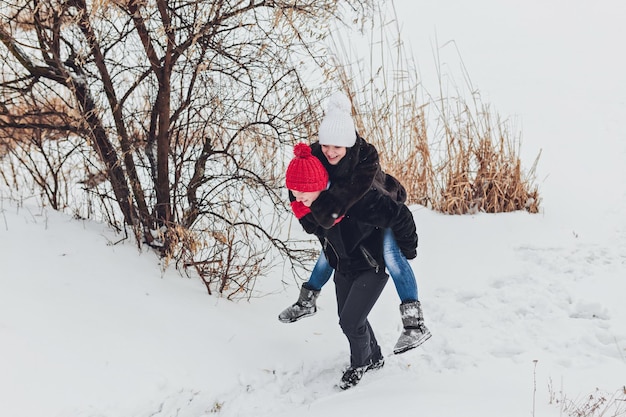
356,295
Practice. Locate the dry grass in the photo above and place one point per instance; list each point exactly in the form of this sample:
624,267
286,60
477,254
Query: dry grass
482,172
452,154
596,404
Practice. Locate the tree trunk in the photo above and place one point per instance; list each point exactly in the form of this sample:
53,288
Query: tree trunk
105,149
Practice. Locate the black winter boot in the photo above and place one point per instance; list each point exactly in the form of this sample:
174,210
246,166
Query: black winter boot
304,307
353,375
415,332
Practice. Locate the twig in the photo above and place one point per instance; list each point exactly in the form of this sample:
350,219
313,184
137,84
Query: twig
534,385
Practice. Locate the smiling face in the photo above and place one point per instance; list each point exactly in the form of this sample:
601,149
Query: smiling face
334,154
306,197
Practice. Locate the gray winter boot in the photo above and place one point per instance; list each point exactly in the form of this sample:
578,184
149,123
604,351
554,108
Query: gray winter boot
304,307
415,333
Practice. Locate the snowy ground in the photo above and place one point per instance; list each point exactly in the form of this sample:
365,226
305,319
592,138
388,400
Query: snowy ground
93,329
527,311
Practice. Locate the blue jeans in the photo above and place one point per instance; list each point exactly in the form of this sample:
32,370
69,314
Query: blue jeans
396,263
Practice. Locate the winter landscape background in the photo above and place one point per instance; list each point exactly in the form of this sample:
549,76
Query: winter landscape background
527,311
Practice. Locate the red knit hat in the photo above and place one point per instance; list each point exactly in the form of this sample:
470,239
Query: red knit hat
305,172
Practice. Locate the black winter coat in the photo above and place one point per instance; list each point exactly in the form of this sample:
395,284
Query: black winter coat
356,242
357,173
370,201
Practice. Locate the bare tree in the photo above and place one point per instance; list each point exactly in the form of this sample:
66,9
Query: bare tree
187,105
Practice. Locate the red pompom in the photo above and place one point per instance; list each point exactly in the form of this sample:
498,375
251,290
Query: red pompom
302,150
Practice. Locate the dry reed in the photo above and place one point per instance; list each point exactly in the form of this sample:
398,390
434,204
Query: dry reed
454,159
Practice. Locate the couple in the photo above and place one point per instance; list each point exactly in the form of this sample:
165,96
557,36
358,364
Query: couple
339,193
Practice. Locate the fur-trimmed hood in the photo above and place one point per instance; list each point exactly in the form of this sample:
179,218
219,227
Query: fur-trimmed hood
357,173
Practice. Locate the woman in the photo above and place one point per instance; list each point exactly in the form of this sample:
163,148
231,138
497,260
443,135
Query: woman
353,246
353,167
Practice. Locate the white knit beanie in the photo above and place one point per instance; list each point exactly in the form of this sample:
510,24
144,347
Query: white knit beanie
337,127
